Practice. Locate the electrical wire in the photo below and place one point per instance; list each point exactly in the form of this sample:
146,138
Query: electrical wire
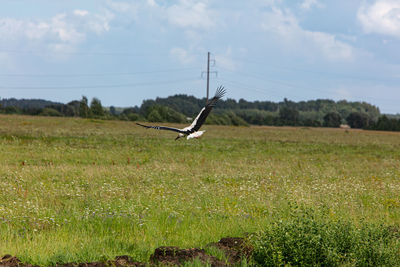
99,74
37,52
325,73
295,86
95,86
245,87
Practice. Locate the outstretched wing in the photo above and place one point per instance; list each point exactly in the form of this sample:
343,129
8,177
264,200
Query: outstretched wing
163,128
201,118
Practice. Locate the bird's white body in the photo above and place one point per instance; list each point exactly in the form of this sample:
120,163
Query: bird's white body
195,135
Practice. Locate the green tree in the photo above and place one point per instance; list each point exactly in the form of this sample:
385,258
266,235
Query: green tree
358,120
96,108
12,110
154,116
332,119
75,106
113,111
386,124
289,116
83,107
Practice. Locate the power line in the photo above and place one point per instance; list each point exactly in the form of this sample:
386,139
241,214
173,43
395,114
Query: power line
263,91
246,87
94,86
280,82
286,84
46,52
98,74
83,53
259,77
326,73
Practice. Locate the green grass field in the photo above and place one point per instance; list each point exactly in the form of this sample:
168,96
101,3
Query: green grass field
75,190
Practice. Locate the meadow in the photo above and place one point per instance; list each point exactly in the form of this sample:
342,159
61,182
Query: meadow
78,190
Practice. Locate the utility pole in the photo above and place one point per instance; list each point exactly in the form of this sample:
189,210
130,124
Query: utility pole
212,61
208,75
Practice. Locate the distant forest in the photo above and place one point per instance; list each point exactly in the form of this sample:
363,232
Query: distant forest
183,109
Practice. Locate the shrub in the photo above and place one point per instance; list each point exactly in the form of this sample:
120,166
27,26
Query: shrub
12,110
304,240
50,112
159,113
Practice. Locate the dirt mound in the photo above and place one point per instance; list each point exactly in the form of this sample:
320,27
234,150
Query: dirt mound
118,262
176,256
235,249
10,261
126,261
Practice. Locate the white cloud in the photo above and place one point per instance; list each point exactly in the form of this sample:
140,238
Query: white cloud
182,55
285,25
65,31
382,17
331,47
100,23
225,60
308,4
152,3
61,32
10,28
187,14
123,7
36,30
79,12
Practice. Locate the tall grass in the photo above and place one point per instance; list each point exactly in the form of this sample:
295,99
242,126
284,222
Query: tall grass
75,190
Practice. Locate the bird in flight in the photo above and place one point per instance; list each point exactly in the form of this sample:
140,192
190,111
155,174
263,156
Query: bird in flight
192,131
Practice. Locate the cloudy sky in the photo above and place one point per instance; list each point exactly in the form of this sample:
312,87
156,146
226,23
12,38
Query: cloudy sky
125,51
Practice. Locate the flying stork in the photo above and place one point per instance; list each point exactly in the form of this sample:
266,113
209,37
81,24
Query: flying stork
192,131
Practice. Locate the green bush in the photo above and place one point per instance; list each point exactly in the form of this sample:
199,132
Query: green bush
159,113
50,112
11,110
225,118
304,240
154,116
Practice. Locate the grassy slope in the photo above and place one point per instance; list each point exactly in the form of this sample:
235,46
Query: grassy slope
83,190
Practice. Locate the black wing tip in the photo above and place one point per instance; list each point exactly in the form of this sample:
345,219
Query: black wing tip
220,92
145,126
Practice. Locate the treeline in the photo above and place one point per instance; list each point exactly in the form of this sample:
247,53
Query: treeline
183,109
41,107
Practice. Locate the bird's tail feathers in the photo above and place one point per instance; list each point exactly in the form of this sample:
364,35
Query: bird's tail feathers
220,92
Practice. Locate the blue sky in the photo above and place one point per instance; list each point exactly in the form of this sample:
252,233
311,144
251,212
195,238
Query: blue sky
126,51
